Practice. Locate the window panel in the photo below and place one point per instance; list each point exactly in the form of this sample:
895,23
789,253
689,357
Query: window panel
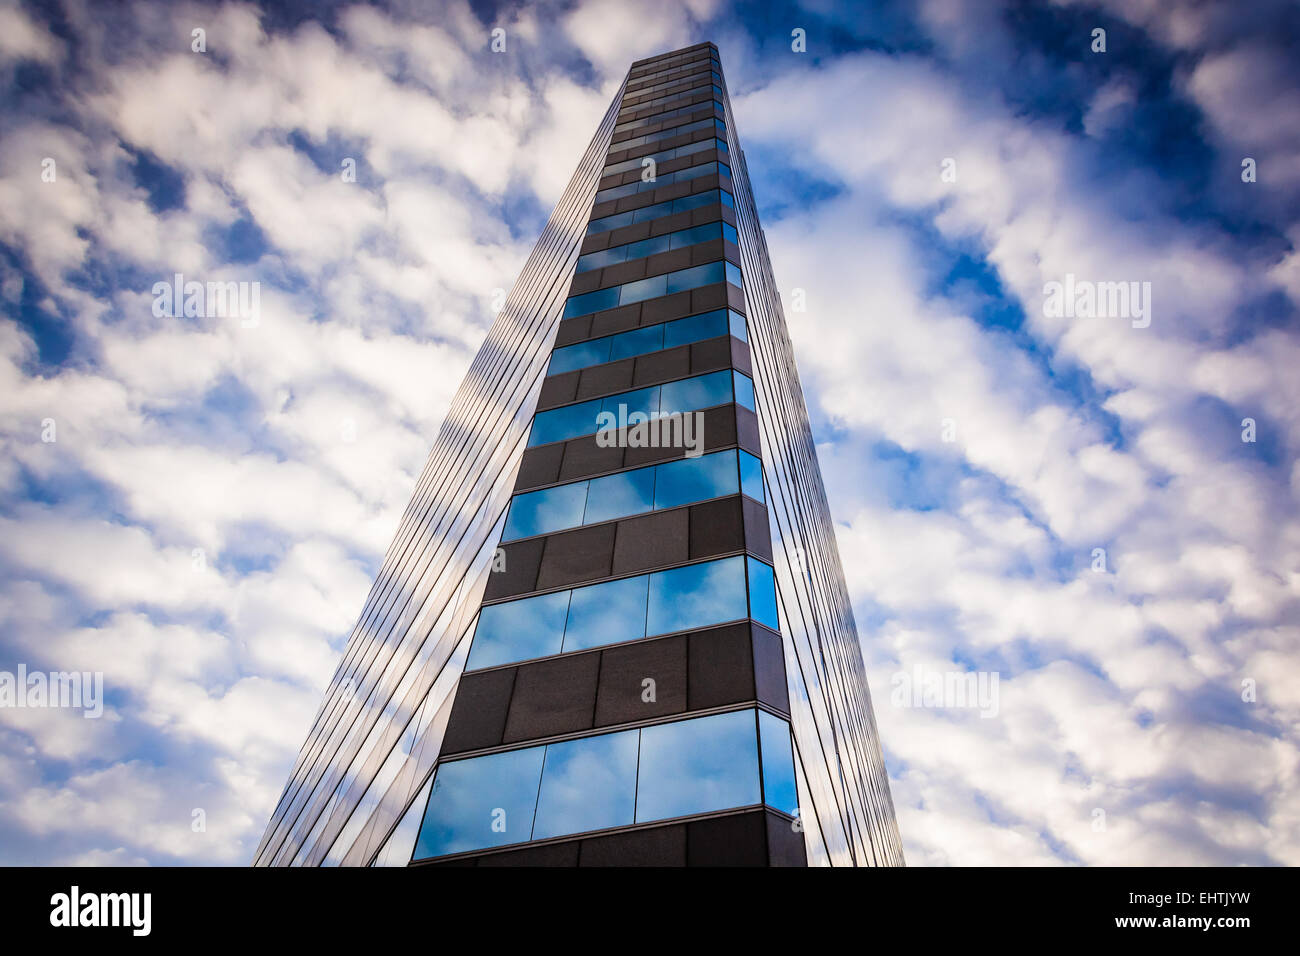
779,789
608,613
702,391
570,358
744,390
541,512
695,479
751,476
642,289
483,802
738,328
617,496
696,766
762,595
685,395
587,784
636,342
591,302
733,275
658,210
519,630
644,400
695,328
694,277
564,422
696,596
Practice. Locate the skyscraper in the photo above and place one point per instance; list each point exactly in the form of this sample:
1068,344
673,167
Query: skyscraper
613,626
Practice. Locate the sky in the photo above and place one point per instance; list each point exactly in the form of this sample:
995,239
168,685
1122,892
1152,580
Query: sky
1102,510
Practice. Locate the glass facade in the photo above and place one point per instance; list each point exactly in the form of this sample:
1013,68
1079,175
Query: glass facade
583,648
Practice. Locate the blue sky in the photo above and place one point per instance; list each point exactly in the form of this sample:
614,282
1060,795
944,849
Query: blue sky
206,524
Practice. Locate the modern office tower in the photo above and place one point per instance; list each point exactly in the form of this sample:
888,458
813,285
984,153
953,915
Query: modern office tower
613,627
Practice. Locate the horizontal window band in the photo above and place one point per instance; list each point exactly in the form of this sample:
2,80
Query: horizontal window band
653,287
659,210
725,426
615,845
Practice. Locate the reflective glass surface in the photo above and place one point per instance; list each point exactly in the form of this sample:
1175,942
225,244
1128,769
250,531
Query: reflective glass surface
695,479
638,162
656,244
616,496
702,391
694,766
697,595
587,784
651,488
762,594
660,209
567,421
632,292
607,613
487,801
540,512
652,773
697,328
751,476
651,338
779,788
663,179
745,391
519,630
635,342
684,395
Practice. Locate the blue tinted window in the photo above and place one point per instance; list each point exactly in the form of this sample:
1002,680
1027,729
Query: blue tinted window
695,479
689,237
641,290
696,596
573,357
695,277
726,200
606,613
696,328
762,595
729,233
616,496
724,169
694,202
587,784
591,302
644,400
733,275
607,223
486,801
567,421
519,630
779,789
745,391
738,326
703,391
598,260
694,766
649,247
636,342
540,512
751,476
